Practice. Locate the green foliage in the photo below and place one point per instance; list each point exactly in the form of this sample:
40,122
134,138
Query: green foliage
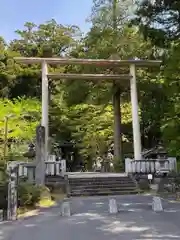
3,195
81,111
3,173
171,122
91,127
144,184
159,20
28,194
21,116
48,38
103,15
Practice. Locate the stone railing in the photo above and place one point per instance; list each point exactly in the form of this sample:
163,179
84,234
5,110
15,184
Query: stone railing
152,166
52,168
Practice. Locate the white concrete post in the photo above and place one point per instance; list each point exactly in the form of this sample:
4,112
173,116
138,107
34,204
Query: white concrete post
113,206
135,115
45,105
63,165
65,209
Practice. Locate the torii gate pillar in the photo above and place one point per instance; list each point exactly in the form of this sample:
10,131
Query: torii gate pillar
45,105
135,115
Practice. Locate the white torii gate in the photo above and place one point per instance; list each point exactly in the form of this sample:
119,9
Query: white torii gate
132,64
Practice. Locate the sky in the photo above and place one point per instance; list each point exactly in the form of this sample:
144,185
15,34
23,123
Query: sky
14,13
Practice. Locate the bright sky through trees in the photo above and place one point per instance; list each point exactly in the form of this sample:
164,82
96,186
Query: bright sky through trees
14,13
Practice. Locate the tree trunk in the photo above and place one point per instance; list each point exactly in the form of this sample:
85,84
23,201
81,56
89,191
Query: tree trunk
118,153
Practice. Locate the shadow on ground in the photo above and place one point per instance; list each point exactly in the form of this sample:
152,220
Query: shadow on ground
90,220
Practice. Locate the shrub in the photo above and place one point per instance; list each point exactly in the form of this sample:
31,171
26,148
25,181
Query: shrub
144,184
28,194
3,195
118,165
3,174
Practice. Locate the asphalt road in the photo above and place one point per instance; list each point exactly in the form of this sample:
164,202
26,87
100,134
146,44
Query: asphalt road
90,220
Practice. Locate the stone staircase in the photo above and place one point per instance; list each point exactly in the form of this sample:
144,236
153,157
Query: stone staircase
101,184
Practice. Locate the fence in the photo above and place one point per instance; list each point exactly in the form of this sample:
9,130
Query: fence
150,165
52,168
55,168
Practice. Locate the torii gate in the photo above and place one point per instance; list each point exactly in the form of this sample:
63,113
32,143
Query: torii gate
131,64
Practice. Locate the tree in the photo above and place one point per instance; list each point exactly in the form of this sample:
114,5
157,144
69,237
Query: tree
103,16
92,127
19,119
50,36
159,20
81,111
171,123
98,44
45,40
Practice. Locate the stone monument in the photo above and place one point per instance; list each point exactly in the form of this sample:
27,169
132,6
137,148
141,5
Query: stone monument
40,155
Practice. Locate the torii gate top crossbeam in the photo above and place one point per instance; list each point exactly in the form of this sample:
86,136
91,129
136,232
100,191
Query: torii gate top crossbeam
74,61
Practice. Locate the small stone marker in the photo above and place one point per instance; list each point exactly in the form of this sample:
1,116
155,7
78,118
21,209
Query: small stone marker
157,204
113,206
65,209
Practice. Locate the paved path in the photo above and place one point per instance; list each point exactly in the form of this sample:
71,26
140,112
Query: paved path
90,220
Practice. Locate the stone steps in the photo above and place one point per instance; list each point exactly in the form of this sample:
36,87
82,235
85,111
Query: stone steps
105,189
54,179
94,178
95,186
98,185
103,193
100,179
87,183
